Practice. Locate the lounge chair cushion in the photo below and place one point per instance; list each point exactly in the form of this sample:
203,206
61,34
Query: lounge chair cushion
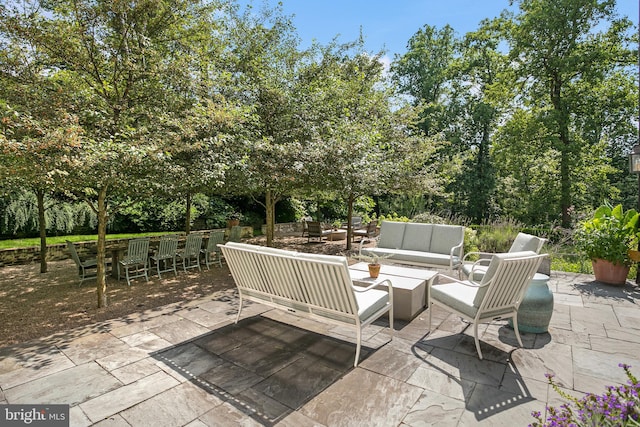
525,242
457,296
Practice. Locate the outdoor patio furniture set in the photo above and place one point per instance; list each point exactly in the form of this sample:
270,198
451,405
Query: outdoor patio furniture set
136,259
326,288
318,230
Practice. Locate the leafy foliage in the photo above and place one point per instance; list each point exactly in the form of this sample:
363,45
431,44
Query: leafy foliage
609,234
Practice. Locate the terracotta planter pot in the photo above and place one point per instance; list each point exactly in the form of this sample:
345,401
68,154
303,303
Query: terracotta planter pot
609,273
232,222
374,270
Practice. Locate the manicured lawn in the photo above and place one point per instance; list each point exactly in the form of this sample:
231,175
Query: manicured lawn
53,240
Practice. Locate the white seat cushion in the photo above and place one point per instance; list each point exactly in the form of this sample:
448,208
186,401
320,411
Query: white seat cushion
456,296
370,302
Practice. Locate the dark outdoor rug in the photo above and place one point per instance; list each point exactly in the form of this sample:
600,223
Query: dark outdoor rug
264,368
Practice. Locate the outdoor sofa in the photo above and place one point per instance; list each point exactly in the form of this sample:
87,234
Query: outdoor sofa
431,245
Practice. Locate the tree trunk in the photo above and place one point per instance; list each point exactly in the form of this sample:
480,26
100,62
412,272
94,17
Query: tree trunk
187,225
562,120
270,207
349,216
101,286
43,231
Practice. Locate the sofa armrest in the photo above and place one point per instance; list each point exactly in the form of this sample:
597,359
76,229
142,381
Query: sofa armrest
362,242
457,250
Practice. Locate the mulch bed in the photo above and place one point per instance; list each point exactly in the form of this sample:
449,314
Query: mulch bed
34,305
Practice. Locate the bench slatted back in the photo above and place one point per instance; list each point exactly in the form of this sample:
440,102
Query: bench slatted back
320,286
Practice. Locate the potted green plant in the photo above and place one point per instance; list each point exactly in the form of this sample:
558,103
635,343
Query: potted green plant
373,262
233,219
606,239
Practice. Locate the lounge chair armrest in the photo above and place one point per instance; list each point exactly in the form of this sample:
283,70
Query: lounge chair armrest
469,282
475,253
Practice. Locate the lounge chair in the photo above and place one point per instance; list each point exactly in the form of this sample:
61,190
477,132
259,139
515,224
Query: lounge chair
522,242
497,296
316,231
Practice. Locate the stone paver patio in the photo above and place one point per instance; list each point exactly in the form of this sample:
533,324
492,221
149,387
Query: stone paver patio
189,364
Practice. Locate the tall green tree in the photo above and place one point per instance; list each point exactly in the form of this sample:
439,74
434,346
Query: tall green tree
124,66
424,73
265,161
33,118
360,142
561,51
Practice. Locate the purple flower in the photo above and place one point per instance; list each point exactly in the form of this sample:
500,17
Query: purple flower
618,406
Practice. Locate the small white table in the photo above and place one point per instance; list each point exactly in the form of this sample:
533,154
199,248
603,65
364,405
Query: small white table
409,286
337,235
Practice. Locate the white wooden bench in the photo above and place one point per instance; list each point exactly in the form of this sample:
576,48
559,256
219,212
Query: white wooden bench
315,286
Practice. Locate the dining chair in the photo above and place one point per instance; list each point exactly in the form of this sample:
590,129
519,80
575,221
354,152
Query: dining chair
166,254
215,237
87,269
190,255
136,260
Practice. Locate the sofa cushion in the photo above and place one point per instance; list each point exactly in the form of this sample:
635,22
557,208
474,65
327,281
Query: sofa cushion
391,234
445,237
417,237
417,257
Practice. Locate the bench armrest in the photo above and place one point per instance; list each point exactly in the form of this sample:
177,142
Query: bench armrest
373,284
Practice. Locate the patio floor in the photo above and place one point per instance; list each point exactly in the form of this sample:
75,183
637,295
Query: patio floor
189,364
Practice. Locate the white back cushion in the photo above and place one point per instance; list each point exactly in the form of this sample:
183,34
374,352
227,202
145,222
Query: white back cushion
445,237
417,237
391,234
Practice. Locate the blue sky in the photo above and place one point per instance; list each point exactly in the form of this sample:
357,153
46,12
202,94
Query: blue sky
388,24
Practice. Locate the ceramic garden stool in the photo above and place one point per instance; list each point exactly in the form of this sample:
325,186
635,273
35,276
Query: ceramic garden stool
536,308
